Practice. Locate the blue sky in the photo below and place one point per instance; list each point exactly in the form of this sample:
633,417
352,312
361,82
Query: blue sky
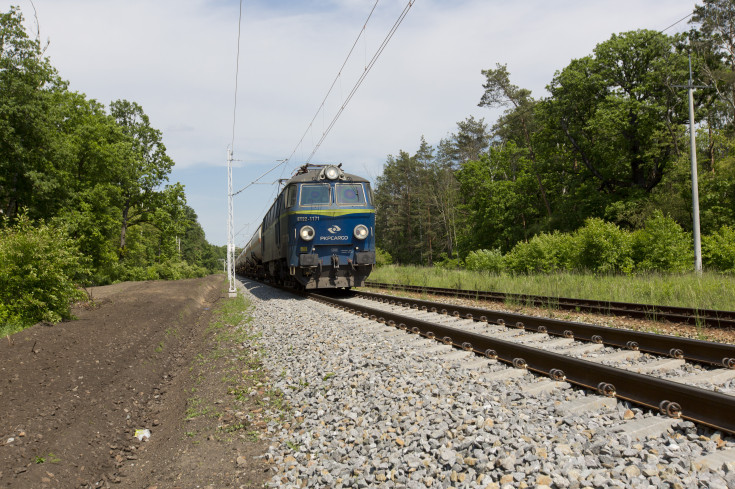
177,59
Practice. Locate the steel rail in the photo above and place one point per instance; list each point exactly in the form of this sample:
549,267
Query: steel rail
720,354
706,317
677,400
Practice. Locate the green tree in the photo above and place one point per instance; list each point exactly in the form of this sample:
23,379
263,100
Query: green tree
500,199
614,119
517,123
399,206
27,139
417,197
194,246
468,143
97,178
714,43
144,165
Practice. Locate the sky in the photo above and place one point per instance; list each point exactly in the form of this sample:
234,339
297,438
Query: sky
178,59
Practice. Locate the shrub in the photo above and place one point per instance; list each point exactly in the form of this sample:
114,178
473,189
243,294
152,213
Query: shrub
9,322
602,247
166,270
448,263
382,257
662,245
39,266
485,260
718,250
544,253
174,270
133,273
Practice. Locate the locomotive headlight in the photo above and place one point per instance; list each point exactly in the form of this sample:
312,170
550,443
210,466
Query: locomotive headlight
331,172
307,233
361,231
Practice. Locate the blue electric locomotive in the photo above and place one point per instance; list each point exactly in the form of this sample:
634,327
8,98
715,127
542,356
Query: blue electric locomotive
319,232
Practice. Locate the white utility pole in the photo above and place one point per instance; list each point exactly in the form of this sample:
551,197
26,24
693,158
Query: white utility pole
695,186
230,229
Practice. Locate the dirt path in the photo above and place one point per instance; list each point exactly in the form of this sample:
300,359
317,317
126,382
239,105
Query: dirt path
146,357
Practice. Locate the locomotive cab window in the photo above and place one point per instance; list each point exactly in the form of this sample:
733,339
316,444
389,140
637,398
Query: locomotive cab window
315,194
350,194
370,194
291,196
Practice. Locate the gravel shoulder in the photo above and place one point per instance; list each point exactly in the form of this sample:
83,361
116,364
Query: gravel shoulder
142,355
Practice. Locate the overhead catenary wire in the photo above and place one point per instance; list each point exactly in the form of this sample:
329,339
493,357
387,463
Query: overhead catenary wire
336,78
321,106
256,181
367,69
677,22
375,57
258,221
262,212
237,73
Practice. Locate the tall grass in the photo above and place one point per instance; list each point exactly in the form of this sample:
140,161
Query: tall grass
710,291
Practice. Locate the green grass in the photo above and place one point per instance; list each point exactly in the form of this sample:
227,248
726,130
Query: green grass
12,327
196,407
51,458
710,291
231,363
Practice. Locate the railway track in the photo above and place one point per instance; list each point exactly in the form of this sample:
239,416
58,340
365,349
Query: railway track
702,317
525,342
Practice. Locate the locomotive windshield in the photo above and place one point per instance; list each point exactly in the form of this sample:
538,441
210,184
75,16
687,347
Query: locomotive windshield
350,194
315,194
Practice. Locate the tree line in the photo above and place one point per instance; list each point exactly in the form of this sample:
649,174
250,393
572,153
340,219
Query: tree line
609,142
84,190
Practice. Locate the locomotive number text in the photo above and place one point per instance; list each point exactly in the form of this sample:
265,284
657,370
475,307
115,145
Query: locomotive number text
306,218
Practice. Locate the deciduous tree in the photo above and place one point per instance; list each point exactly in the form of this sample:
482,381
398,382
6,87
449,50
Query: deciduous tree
144,165
617,115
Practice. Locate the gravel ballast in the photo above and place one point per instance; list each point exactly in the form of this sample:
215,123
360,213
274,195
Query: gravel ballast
380,411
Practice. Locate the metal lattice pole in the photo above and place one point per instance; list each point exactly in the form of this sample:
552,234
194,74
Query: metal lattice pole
230,229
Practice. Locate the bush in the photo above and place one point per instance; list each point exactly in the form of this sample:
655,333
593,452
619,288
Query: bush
448,263
166,270
718,250
662,245
134,274
544,253
39,266
382,257
602,247
485,260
